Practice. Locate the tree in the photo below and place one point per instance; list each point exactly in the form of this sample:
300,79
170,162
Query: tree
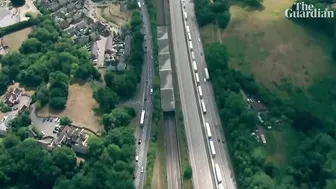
31,45
18,3
65,120
64,158
187,174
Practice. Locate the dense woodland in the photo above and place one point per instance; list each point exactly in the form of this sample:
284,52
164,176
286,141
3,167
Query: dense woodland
312,165
47,61
108,165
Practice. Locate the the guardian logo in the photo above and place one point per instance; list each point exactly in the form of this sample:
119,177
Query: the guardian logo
303,10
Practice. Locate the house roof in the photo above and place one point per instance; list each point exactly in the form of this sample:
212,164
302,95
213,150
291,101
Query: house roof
93,36
53,7
82,40
62,2
109,44
81,25
127,45
71,7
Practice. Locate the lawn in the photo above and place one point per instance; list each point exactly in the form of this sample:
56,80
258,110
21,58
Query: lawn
272,47
14,40
79,108
113,14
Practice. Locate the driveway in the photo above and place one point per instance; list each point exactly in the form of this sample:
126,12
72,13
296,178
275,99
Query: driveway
47,127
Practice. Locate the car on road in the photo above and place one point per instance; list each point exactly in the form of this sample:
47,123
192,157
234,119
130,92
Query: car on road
151,91
133,176
199,39
136,158
142,169
139,142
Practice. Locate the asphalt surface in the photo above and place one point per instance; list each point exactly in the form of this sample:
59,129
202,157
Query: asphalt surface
222,157
143,133
172,153
198,155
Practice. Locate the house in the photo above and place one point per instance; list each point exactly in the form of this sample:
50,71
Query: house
62,2
76,18
109,45
81,25
54,7
71,30
82,40
71,7
93,36
12,97
74,138
89,20
94,49
127,50
78,6
63,10
64,24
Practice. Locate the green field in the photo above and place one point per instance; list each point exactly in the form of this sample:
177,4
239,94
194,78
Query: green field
274,49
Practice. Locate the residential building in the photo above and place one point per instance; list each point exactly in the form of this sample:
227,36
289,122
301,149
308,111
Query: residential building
73,137
94,53
127,50
62,2
12,97
93,36
54,7
82,40
81,25
109,45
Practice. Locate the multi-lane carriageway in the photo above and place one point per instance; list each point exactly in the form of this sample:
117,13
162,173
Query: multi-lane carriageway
204,90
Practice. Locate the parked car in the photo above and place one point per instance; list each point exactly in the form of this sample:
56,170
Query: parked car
44,119
139,142
54,131
142,169
51,119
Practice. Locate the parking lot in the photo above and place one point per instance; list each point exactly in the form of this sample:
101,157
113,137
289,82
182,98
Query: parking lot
43,124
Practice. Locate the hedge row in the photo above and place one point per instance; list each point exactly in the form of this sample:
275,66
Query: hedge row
19,26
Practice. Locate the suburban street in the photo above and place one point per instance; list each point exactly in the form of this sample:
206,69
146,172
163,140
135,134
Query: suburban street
198,154
212,117
146,84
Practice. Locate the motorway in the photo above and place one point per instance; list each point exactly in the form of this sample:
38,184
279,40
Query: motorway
202,176
222,157
143,133
172,155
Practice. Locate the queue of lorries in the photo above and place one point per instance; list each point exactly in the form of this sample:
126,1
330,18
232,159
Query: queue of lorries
200,92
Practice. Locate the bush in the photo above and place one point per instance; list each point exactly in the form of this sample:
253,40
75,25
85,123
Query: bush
187,174
18,3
